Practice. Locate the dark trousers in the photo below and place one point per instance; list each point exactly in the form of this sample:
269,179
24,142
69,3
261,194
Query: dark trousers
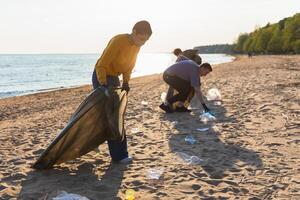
182,86
170,92
117,149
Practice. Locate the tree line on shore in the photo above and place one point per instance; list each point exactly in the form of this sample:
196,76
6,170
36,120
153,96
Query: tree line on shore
278,38
216,48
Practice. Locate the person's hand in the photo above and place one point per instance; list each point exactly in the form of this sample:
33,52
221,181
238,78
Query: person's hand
125,86
206,109
105,89
103,85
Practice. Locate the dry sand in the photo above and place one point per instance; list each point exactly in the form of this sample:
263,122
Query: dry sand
250,152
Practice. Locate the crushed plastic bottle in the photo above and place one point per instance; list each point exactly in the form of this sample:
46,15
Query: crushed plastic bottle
213,95
144,103
190,139
206,117
155,173
129,194
69,196
187,159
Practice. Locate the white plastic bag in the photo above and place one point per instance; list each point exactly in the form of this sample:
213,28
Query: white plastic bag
213,95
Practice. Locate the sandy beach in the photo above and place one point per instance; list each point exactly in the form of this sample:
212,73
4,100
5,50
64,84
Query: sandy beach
251,151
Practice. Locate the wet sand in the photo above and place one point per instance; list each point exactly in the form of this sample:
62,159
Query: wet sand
250,152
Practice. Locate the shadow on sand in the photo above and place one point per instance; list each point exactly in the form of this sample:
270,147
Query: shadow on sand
218,155
84,181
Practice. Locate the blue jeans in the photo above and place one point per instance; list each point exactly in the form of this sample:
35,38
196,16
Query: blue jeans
117,149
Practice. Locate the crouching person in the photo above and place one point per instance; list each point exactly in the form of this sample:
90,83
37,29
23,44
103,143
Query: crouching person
184,77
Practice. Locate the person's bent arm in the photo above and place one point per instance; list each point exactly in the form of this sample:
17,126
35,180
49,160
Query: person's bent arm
200,98
199,94
127,76
101,74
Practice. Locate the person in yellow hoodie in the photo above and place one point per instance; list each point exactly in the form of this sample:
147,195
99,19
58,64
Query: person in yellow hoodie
119,58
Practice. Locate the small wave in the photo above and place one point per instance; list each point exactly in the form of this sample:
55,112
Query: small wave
15,93
9,94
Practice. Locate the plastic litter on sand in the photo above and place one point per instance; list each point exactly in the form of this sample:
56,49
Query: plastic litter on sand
144,103
155,173
213,95
129,194
202,129
206,117
184,158
69,196
135,130
190,139
174,123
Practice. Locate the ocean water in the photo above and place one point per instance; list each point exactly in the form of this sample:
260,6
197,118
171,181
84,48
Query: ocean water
30,73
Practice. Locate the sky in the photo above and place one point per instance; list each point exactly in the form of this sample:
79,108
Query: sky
77,26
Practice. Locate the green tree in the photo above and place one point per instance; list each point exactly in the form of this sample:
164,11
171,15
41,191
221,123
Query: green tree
281,23
263,40
276,42
281,37
291,33
247,45
238,47
296,46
